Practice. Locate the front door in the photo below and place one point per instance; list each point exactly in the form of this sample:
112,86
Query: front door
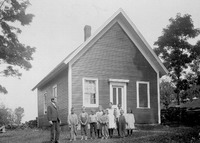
118,95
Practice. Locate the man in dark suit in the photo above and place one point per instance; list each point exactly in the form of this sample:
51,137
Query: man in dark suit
54,121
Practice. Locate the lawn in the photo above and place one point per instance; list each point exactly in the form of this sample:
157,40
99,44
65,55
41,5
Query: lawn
143,134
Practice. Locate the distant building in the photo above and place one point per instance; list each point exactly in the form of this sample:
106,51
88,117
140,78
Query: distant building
115,64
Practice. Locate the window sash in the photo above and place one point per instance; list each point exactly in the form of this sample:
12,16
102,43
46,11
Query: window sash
143,94
55,91
90,92
45,103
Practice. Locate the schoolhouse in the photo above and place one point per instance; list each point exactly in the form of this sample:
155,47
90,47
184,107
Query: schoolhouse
115,64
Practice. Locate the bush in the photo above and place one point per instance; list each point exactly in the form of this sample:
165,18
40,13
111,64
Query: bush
180,116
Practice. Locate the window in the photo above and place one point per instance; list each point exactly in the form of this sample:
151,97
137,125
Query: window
90,92
143,96
55,92
45,102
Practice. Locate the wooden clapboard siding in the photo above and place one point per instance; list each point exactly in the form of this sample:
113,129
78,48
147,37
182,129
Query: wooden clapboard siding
61,80
115,56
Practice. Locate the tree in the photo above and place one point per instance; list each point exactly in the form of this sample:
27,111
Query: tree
174,49
6,116
167,94
13,53
19,112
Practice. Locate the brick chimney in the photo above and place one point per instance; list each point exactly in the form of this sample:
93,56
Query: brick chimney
87,32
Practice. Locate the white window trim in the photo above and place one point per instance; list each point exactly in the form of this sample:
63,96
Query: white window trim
45,111
148,94
119,80
97,92
55,96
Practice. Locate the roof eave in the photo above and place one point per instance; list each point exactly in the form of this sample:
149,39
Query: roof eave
51,75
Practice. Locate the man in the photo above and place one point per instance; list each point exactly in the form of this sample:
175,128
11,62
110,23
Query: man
54,121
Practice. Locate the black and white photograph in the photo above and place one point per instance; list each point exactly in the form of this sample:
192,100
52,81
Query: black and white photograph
99,71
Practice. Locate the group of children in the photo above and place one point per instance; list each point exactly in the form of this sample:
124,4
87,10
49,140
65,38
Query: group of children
102,123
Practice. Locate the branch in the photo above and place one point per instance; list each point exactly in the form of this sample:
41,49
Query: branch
2,4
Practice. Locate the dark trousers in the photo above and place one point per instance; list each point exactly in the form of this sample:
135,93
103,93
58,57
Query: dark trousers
83,130
55,131
110,131
122,128
93,129
117,122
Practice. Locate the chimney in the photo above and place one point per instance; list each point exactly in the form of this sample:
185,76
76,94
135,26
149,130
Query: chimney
87,32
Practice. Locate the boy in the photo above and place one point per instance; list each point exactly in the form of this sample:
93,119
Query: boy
99,114
93,123
83,120
73,123
122,124
104,124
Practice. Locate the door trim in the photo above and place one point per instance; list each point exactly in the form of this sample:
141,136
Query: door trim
122,83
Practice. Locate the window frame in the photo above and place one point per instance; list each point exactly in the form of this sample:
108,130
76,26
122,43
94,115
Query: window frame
45,103
97,92
148,94
53,93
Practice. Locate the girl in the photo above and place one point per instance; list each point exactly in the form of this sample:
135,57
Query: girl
130,121
111,117
73,123
83,120
99,114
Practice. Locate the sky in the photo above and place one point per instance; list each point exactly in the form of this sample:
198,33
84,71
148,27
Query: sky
57,29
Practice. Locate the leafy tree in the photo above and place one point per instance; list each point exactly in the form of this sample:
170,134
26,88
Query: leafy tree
13,53
5,115
167,94
174,49
19,112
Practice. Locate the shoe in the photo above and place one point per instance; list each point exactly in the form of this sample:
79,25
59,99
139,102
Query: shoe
86,138
102,138
82,138
70,140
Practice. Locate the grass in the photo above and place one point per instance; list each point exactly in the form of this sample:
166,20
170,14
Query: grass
143,134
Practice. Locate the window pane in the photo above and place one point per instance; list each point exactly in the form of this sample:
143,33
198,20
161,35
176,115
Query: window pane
55,92
87,98
120,96
45,103
93,99
114,96
143,96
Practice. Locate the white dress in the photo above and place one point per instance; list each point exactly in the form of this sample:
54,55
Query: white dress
111,118
130,119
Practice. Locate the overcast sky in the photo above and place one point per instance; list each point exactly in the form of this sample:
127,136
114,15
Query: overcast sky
57,29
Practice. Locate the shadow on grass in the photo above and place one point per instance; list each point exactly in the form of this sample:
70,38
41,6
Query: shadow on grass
5,136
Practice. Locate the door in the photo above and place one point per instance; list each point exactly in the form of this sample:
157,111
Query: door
118,95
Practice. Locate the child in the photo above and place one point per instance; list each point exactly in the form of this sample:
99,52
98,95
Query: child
130,121
111,117
73,123
104,125
99,114
83,121
122,124
93,123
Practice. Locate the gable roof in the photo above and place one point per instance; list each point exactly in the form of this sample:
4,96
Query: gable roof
121,18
